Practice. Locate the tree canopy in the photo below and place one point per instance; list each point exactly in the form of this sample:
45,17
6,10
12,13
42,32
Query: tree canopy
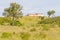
50,12
14,11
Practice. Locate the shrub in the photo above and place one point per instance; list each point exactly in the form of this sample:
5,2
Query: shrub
53,20
16,23
47,21
6,35
4,20
42,18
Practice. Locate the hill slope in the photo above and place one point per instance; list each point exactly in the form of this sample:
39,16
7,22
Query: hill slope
30,30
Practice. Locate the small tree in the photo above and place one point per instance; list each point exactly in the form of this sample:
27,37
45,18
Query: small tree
51,12
14,11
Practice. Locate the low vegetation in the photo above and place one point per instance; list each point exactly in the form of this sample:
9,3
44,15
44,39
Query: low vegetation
6,35
30,28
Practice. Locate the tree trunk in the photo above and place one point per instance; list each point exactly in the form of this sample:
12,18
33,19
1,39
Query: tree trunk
13,20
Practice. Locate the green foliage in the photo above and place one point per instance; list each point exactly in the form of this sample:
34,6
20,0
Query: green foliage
16,23
25,36
6,35
51,12
47,21
4,20
54,20
7,21
42,18
14,11
1,21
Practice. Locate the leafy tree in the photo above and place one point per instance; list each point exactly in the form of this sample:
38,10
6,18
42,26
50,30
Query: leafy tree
14,11
51,12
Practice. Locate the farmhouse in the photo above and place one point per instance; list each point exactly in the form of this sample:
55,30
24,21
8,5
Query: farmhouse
35,14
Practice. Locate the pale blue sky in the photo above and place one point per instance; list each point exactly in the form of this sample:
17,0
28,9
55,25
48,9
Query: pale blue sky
33,6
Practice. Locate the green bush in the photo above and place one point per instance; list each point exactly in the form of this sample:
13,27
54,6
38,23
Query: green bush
42,18
16,23
4,20
47,21
53,20
6,35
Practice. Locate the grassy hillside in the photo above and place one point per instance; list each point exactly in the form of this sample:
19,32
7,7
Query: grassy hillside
32,28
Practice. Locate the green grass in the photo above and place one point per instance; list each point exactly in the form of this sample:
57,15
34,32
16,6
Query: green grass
6,35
